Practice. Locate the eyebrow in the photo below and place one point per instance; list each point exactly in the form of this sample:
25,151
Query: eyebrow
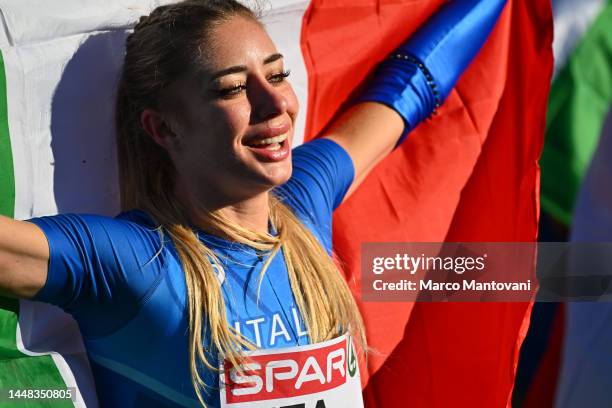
241,68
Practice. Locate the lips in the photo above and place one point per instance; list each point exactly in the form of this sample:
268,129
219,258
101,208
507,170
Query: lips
259,134
269,143
270,152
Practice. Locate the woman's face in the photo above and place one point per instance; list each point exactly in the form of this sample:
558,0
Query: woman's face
233,117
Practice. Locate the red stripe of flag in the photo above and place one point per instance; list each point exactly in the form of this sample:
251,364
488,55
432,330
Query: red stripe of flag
470,174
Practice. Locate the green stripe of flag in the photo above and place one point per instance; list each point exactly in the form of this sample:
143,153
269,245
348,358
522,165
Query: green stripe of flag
18,370
579,101
7,178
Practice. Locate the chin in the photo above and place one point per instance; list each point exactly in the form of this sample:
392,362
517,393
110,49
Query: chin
279,173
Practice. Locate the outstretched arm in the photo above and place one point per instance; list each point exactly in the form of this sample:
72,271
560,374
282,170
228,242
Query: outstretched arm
413,82
24,256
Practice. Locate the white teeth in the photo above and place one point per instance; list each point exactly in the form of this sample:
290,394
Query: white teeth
270,140
273,147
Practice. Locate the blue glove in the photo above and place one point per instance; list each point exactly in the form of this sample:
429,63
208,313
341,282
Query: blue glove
421,73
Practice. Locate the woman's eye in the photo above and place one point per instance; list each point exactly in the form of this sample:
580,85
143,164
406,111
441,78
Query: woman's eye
237,89
231,91
278,78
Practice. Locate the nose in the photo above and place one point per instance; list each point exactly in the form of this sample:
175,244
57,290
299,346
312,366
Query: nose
267,101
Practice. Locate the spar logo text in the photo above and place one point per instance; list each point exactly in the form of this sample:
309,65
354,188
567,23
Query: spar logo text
281,375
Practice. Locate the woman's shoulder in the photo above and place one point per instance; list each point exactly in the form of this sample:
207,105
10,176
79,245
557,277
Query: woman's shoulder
100,263
138,218
132,225
133,218
322,174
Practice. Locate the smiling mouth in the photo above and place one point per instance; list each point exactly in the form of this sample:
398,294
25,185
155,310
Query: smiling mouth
269,143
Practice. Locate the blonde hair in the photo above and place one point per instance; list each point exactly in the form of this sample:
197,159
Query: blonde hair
161,47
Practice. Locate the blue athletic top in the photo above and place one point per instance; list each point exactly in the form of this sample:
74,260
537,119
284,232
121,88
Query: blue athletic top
122,281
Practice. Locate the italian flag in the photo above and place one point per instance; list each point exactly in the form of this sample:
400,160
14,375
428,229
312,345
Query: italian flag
576,170
580,101
469,174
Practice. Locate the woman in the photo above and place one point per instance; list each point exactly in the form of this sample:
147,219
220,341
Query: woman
225,241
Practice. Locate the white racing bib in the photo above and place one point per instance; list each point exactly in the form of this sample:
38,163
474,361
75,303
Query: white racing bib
322,375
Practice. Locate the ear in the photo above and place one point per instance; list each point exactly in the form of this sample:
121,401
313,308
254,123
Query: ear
156,126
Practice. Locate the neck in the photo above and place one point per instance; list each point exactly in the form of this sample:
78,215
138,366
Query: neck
252,213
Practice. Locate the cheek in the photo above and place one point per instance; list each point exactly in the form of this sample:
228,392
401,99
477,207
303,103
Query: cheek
230,121
213,133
